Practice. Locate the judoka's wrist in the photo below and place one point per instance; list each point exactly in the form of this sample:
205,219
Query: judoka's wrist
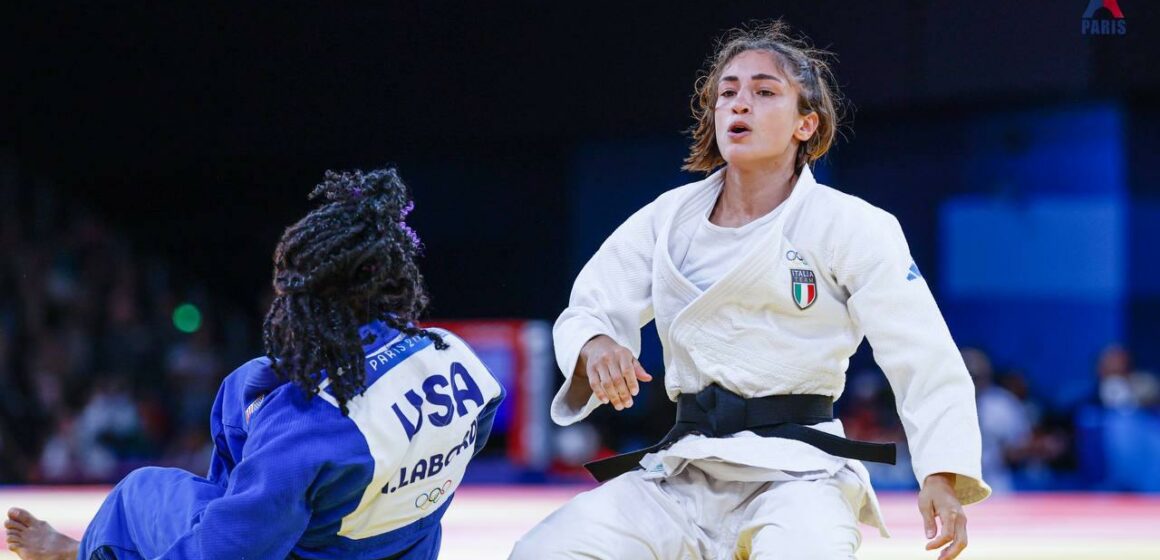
941,478
593,343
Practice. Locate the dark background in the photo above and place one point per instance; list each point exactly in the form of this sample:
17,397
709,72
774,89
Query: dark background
201,129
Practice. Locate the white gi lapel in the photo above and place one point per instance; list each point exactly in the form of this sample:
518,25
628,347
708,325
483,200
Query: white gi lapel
672,292
758,258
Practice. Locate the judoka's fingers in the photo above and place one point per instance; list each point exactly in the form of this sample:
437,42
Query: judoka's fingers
926,508
960,529
621,385
641,374
596,385
613,386
946,532
628,373
602,385
12,525
612,363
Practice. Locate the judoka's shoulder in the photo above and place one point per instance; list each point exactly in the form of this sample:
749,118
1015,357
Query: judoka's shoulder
449,336
657,211
250,367
251,379
455,343
288,411
461,348
293,432
271,402
676,194
856,233
848,212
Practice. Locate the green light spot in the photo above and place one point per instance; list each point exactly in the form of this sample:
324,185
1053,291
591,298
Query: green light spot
187,318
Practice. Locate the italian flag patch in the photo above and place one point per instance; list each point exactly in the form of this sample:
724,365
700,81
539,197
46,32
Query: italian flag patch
804,288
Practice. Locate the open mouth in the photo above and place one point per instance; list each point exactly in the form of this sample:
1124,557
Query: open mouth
738,128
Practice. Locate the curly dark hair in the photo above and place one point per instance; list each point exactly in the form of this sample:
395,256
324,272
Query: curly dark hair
348,262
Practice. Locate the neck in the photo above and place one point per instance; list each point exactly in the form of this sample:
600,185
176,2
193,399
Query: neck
752,192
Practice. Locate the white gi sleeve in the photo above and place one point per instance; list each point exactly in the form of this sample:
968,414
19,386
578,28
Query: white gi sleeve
612,296
892,304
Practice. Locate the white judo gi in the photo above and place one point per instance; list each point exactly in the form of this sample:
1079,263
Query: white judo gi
827,270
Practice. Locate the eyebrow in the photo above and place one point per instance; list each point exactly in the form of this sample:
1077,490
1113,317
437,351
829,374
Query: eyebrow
755,77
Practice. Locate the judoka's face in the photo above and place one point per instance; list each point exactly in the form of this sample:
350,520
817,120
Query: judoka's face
757,119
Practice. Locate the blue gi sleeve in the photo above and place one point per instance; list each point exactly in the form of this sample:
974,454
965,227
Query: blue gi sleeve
241,392
486,419
222,461
265,509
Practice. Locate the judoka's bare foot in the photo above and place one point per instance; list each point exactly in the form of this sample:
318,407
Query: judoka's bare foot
33,539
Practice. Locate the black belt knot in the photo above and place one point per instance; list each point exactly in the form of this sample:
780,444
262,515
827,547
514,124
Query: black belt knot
723,412
717,412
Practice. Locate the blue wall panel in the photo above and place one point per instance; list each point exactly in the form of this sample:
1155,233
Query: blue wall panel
1044,247
1054,342
1078,149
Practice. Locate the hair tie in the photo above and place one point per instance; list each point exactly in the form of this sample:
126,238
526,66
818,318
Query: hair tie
289,283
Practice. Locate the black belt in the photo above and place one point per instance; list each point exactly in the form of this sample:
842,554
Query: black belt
715,412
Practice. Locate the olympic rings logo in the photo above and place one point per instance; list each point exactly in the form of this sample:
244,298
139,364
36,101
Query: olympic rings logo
792,255
427,499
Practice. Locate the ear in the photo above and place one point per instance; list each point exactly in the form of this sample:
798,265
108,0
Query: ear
807,125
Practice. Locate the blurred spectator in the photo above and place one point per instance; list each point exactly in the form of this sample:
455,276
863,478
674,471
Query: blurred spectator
1003,422
70,457
869,409
15,461
575,445
868,414
128,343
1016,383
110,419
191,450
1121,386
1049,446
194,369
94,376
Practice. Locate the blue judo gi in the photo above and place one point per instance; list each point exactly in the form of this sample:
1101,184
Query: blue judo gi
291,477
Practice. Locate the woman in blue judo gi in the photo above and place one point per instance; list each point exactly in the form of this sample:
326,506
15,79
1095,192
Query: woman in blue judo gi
347,440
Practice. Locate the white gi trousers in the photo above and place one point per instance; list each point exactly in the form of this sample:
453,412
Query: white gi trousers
693,516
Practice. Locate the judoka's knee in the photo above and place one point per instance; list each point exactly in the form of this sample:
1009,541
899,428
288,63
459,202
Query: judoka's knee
522,550
146,477
563,536
537,543
819,542
144,473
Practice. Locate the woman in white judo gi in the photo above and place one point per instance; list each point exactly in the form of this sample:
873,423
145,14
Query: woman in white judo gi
762,283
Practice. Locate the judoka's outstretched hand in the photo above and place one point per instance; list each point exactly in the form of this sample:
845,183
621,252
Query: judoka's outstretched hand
613,373
938,499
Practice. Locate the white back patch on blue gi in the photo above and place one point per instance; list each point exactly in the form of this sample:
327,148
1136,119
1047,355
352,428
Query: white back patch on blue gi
419,421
